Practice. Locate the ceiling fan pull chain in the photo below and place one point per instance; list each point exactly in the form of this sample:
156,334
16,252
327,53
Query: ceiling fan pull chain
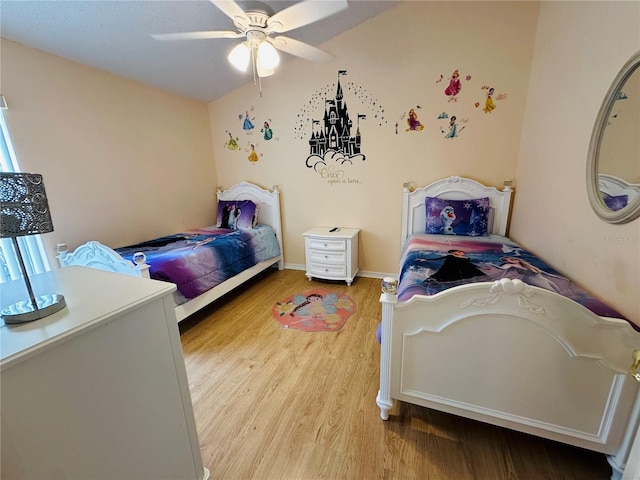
253,63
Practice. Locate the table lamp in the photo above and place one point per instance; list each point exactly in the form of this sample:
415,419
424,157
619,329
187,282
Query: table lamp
24,211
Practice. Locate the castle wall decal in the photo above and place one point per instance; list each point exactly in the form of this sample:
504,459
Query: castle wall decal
335,132
334,135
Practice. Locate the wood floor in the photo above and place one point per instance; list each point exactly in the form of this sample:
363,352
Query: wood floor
277,404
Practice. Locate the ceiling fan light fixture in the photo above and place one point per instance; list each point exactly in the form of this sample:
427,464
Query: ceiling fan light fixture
240,57
256,22
268,56
263,72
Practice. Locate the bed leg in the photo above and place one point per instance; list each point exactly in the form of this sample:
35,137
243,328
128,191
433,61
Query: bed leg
388,300
385,405
628,450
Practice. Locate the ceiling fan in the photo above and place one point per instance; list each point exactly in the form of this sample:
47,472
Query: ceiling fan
259,25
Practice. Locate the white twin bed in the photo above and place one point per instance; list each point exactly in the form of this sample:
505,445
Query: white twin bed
96,255
508,353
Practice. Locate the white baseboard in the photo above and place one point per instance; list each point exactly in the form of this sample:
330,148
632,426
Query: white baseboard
294,266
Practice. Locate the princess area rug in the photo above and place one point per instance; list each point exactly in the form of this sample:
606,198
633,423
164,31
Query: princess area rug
317,310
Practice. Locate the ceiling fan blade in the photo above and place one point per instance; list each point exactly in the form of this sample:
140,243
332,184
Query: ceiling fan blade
304,13
197,35
300,49
232,10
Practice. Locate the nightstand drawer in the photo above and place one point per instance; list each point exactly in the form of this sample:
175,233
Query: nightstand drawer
319,256
324,271
327,244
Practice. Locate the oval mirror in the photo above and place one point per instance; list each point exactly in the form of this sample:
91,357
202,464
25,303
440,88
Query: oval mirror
613,162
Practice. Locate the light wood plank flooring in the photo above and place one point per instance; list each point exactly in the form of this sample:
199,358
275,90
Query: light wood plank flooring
278,404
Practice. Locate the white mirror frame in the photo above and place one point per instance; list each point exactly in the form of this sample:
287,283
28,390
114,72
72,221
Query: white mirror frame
632,210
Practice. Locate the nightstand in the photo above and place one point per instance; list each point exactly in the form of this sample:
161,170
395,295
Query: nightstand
331,255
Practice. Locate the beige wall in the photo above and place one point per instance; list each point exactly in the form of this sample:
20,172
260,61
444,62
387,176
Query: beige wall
396,58
580,46
122,162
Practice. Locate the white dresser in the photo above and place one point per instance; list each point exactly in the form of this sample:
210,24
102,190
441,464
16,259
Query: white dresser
98,390
331,255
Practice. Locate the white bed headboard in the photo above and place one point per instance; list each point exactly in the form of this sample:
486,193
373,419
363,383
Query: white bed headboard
614,186
268,203
414,215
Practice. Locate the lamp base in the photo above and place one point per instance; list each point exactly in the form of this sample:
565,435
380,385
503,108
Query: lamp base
25,311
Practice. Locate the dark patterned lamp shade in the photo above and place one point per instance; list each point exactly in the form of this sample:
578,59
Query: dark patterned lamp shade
24,210
23,205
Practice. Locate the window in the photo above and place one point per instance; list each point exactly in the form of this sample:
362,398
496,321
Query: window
32,247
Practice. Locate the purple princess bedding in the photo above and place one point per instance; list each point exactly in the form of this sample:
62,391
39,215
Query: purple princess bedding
198,260
433,263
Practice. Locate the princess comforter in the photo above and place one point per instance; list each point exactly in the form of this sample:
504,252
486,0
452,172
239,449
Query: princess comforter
433,263
198,260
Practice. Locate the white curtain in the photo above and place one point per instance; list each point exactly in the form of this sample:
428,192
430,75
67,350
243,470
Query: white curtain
32,248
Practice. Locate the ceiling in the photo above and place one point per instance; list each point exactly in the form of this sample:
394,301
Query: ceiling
115,35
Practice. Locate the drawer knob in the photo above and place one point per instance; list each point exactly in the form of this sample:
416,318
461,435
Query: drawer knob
326,256
325,245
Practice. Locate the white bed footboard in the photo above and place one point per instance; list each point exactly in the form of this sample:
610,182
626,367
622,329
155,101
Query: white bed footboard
517,356
95,255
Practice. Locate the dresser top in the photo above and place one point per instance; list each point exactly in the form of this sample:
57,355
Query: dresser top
324,232
92,297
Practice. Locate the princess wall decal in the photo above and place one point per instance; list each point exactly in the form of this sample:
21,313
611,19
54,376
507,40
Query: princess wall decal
454,87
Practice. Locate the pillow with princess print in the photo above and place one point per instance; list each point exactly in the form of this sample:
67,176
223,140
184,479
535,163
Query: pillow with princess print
237,214
615,202
469,218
